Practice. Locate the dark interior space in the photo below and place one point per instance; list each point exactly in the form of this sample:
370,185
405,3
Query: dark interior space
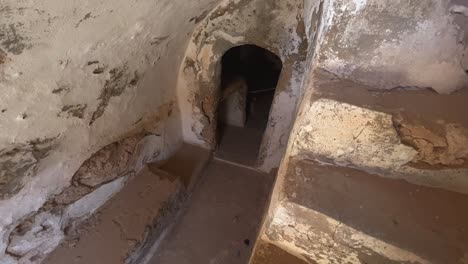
248,81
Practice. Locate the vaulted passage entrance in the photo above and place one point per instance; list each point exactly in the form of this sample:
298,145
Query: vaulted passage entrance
248,82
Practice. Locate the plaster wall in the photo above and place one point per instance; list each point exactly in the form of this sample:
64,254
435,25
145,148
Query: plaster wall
81,78
274,25
403,43
312,15
76,76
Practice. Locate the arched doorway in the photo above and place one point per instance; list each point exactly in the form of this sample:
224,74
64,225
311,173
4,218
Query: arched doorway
249,75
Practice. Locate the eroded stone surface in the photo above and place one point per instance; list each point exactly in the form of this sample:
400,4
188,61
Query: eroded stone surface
315,236
107,164
92,201
427,221
448,148
342,134
122,226
99,178
71,195
40,237
37,236
346,134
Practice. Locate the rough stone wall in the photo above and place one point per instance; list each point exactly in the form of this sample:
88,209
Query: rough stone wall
402,43
76,77
317,215
274,25
385,134
384,90
416,136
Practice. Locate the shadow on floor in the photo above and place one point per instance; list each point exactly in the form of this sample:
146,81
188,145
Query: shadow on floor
221,222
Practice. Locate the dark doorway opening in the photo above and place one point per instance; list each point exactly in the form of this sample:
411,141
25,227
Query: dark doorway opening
248,81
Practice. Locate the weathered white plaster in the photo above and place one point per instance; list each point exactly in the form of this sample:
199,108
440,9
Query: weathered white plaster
44,235
243,22
8,260
276,137
150,149
311,13
359,5
46,230
91,202
459,9
384,44
306,232
85,74
357,45
62,63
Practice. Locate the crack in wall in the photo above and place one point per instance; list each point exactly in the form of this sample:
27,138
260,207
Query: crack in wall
119,80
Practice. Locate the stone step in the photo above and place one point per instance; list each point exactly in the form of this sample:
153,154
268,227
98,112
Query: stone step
185,166
338,215
128,226
122,225
416,134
